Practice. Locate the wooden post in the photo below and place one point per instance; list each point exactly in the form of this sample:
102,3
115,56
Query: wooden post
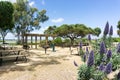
46,40
36,42
31,41
40,40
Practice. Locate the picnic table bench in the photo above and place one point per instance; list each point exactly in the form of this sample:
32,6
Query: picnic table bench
9,54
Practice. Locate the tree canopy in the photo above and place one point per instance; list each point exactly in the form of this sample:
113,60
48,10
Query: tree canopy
97,31
50,30
27,18
118,26
73,31
6,18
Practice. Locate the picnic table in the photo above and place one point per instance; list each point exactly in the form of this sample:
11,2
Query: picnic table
7,54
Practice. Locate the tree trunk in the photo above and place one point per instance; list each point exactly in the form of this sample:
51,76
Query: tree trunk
3,37
72,40
18,39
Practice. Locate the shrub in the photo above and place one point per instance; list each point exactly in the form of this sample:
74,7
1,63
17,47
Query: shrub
42,43
85,72
115,61
98,75
116,39
58,41
67,42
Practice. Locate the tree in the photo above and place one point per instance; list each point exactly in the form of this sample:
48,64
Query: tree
97,31
6,18
50,30
118,26
27,18
73,31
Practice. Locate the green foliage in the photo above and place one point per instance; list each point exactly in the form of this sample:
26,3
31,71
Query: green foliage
97,31
73,31
27,18
115,61
118,26
97,59
42,43
58,41
50,30
66,42
118,32
81,53
103,56
98,75
116,39
84,42
85,72
6,18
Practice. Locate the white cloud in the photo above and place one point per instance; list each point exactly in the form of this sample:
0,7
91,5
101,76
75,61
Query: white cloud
13,1
57,20
43,2
32,3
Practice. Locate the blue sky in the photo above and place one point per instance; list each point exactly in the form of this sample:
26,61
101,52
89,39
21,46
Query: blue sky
92,13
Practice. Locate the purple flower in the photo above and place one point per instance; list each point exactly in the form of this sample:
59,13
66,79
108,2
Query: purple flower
75,64
111,31
84,57
80,44
90,61
102,48
89,37
108,68
118,76
109,54
101,67
118,48
106,30
87,51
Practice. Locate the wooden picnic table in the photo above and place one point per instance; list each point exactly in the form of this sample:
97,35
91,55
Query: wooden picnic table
5,54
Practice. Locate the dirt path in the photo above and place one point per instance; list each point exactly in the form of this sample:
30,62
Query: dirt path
51,66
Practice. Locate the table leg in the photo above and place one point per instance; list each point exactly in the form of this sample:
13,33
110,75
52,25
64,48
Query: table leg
17,56
1,60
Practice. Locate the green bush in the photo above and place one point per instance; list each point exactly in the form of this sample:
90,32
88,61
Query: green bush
116,39
115,61
67,42
98,75
58,41
42,43
85,72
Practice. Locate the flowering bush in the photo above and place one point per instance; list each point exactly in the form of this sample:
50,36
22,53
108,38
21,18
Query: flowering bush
102,60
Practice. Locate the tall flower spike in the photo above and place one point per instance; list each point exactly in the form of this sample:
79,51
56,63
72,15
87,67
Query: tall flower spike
106,30
75,64
118,76
84,57
101,67
111,31
87,51
102,48
89,37
118,48
109,54
90,61
108,68
80,44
